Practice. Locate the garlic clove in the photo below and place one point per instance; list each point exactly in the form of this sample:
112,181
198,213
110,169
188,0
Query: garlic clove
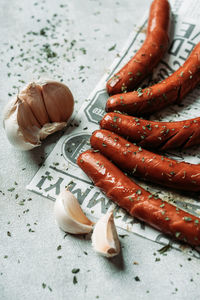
40,109
22,132
69,215
16,136
32,95
25,116
105,240
58,100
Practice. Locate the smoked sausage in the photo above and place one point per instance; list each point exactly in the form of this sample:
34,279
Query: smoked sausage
150,53
145,164
171,90
137,201
154,135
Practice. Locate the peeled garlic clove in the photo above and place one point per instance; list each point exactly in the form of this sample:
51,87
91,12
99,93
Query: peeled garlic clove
69,215
40,109
105,240
55,96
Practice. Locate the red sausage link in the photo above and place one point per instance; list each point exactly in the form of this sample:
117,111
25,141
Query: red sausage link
137,201
146,165
150,53
171,90
154,135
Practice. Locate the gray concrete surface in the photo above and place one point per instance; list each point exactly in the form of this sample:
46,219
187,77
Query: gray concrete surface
36,258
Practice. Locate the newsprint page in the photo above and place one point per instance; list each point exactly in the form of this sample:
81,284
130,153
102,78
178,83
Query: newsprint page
60,169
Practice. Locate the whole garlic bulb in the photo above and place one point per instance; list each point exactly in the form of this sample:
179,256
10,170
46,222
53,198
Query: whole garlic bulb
105,240
40,109
69,215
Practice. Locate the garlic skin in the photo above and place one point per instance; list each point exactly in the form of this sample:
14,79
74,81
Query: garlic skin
69,215
17,135
40,109
105,240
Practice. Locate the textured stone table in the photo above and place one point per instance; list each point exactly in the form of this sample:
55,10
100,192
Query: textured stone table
75,41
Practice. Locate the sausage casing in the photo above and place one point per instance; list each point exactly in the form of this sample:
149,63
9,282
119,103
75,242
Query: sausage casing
137,201
154,135
171,90
145,164
148,56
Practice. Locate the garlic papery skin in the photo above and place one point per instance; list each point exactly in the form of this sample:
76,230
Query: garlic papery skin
50,128
52,90
16,135
40,109
69,215
105,239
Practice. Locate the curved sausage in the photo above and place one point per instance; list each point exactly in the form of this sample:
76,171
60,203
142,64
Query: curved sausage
154,135
145,164
171,90
150,53
137,201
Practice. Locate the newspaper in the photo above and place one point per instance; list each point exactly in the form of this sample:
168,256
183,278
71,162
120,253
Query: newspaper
60,169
